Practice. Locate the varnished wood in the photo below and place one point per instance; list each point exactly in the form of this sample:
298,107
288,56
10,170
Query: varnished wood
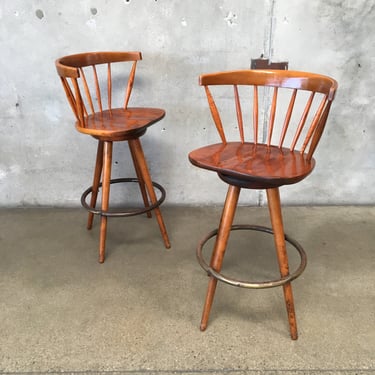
272,116
111,124
273,78
136,147
220,247
319,131
273,197
129,87
109,86
96,182
318,118
68,66
272,164
239,114
259,164
120,124
215,114
287,119
97,90
255,114
140,178
264,164
107,164
87,91
86,88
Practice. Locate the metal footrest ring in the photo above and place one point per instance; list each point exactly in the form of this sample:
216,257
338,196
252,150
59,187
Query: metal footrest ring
247,284
120,212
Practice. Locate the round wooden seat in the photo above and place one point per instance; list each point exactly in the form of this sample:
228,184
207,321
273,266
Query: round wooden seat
254,166
120,123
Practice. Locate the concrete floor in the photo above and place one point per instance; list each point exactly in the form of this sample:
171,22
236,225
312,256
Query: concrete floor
139,312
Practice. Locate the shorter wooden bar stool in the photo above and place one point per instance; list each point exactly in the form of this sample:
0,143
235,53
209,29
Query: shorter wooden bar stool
90,88
295,116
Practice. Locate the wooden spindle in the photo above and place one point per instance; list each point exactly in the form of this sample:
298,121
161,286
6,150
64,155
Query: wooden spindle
239,113
130,84
215,114
314,123
109,86
79,103
319,130
287,117
272,116
302,121
70,96
255,114
97,89
87,90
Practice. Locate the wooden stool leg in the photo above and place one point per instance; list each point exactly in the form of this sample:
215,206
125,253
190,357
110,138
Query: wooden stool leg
140,179
107,163
139,156
274,205
96,182
220,247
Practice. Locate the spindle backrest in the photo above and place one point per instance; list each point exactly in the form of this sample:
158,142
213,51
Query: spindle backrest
299,107
88,83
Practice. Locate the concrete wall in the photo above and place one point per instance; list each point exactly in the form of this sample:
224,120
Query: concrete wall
44,161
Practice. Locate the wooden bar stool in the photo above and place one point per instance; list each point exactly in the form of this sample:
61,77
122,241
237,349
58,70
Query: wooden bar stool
294,118
90,89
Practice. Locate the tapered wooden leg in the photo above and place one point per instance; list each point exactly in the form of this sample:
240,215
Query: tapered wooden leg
136,146
140,179
107,163
274,205
96,182
219,248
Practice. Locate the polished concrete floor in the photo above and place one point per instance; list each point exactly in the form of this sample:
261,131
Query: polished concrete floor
138,313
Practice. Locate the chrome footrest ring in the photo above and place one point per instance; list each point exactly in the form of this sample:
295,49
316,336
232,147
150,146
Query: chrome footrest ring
250,284
120,212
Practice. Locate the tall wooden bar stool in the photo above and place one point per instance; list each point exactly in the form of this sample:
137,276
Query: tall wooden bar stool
294,120
90,89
